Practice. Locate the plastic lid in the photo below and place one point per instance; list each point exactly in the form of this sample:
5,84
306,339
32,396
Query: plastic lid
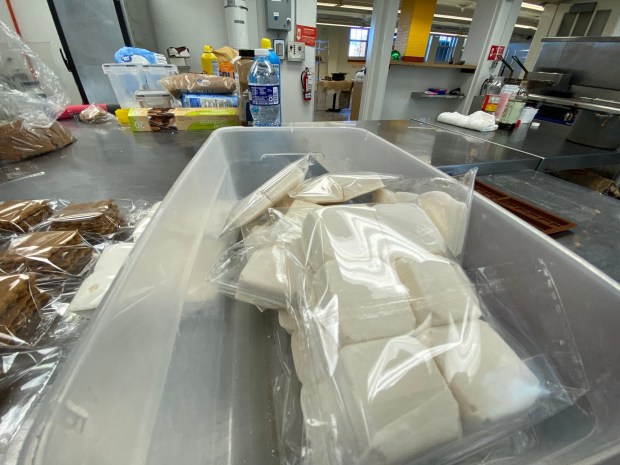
246,53
265,43
122,115
261,52
208,48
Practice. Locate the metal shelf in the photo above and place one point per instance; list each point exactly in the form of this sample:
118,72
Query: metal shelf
425,95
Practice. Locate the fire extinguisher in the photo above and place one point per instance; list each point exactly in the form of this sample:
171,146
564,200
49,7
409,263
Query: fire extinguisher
306,84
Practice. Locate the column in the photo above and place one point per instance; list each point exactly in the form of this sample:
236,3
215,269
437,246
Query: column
380,38
492,24
414,27
544,29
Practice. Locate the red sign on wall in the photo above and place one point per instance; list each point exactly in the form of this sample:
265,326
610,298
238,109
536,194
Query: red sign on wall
492,52
305,34
500,50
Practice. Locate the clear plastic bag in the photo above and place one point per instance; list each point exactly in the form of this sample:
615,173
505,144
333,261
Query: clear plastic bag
195,83
31,98
268,194
26,311
94,114
400,359
22,216
98,220
334,188
54,253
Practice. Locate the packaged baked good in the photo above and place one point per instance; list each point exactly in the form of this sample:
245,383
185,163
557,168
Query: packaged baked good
100,217
195,83
63,252
20,216
19,141
20,302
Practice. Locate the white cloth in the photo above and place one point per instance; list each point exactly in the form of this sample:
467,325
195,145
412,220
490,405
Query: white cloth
478,121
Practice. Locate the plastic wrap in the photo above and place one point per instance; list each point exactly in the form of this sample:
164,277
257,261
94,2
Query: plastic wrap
56,253
22,216
26,311
333,188
141,225
94,114
98,220
31,98
23,377
400,359
194,83
268,194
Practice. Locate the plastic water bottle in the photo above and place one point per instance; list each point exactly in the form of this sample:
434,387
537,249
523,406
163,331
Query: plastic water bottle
264,90
275,62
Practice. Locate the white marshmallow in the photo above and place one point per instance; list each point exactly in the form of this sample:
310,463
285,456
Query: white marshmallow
342,233
487,378
397,399
262,281
406,222
359,303
404,197
439,289
383,196
267,195
449,215
336,188
287,321
94,288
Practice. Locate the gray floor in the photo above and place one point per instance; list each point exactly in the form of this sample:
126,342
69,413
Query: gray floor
322,115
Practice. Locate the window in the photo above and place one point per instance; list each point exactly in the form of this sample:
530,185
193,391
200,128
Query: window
358,39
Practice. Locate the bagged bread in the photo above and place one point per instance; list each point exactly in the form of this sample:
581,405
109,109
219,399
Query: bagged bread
337,188
195,83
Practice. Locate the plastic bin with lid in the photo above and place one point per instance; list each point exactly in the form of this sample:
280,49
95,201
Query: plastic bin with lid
171,371
128,78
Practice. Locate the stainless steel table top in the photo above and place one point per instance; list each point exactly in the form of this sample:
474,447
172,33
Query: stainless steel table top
597,217
105,161
548,142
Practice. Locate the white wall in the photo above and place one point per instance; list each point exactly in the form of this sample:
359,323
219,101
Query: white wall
38,31
294,108
338,61
402,80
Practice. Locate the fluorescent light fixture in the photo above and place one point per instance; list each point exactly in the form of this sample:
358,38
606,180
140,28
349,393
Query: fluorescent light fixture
532,6
523,26
447,34
461,18
326,4
356,7
342,25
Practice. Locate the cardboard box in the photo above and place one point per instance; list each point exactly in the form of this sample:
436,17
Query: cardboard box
181,119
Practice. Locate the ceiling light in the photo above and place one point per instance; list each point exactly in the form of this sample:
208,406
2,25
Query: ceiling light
356,7
532,6
447,34
523,26
462,18
326,4
343,25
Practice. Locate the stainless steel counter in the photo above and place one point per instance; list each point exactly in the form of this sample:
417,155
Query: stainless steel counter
597,217
547,142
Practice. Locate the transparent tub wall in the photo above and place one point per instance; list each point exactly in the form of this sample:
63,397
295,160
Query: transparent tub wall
171,372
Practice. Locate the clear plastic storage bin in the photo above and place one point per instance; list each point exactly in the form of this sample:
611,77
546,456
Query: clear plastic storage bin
126,79
171,371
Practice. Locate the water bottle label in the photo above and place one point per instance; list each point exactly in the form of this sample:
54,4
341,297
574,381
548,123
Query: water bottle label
264,95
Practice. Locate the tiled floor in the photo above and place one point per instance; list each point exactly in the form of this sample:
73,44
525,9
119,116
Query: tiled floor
323,115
